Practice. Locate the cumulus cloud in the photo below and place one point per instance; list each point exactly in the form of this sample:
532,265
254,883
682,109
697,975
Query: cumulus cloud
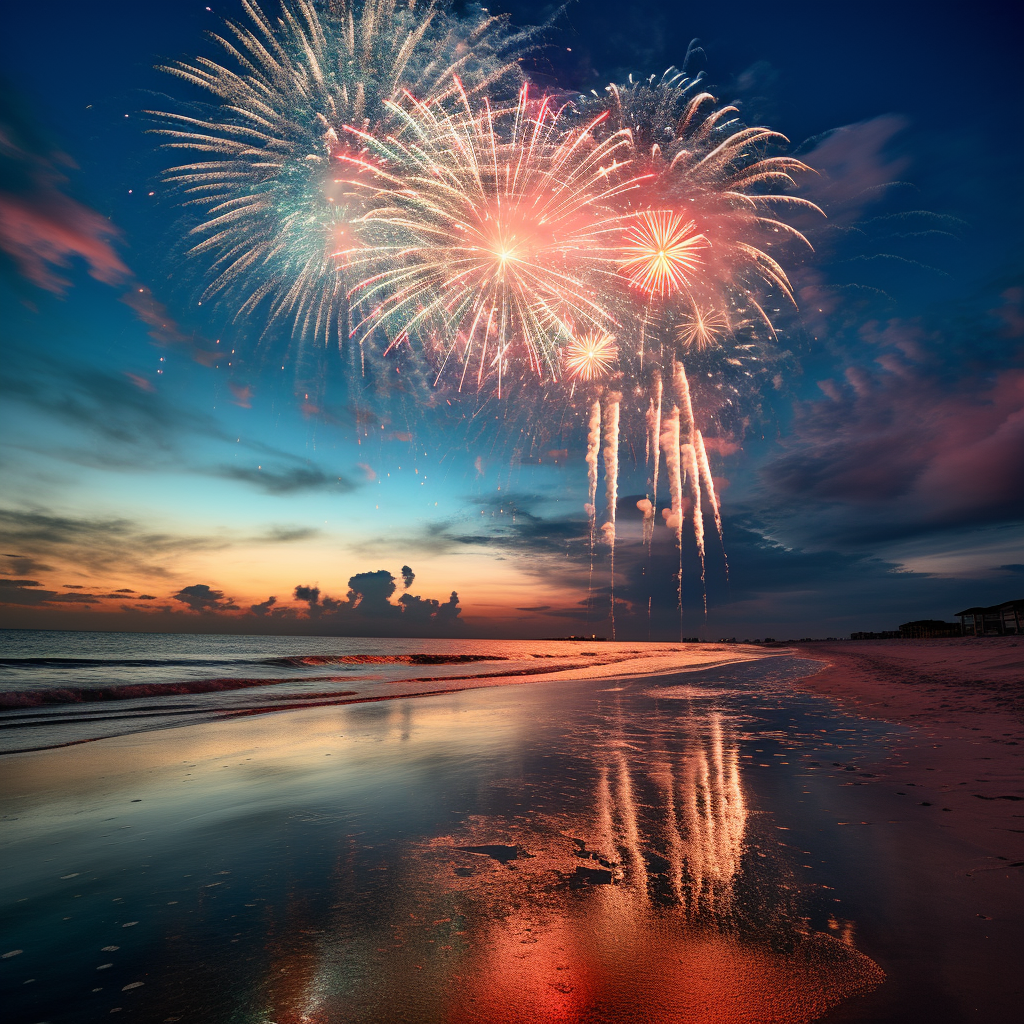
201,598
263,607
407,577
368,608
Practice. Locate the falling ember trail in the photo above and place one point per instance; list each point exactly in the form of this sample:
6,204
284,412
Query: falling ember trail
593,449
653,453
611,483
670,446
708,483
593,446
689,459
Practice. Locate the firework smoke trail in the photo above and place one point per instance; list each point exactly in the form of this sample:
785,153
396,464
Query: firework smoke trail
611,483
670,446
709,488
593,450
692,475
690,467
653,453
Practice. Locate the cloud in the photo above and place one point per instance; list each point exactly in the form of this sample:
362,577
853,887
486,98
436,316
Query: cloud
910,443
119,426
263,607
26,592
407,577
42,229
311,595
367,608
23,565
200,598
162,327
291,480
287,534
23,592
99,545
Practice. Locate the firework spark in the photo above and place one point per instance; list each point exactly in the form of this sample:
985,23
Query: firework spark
661,252
701,327
589,357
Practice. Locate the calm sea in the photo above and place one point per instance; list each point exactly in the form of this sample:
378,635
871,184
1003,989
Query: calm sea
67,687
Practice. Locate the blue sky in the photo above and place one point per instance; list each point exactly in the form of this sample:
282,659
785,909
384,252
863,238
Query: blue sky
150,446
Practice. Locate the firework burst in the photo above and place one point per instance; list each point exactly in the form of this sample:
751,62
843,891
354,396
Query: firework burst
661,253
590,357
267,141
495,217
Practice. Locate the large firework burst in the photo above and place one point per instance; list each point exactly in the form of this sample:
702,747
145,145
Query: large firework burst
495,218
708,212
268,136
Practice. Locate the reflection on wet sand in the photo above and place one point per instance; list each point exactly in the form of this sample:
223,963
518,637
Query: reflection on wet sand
622,884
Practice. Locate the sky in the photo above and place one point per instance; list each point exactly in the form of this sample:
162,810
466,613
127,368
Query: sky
166,470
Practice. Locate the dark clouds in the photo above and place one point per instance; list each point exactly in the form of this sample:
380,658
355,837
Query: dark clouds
926,437
367,608
290,480
201,598
106,545
22,565
121,423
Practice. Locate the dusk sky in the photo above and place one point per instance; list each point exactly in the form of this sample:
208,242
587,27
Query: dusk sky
168,468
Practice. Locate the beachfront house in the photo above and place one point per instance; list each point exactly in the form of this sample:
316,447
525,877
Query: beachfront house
929,629
997,620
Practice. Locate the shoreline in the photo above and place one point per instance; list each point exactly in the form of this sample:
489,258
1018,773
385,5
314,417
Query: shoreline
694,659
962,757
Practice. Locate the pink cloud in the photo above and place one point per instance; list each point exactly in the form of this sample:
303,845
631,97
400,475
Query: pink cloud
45,230
937,449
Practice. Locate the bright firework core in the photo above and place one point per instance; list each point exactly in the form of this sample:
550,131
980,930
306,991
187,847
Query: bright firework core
661,252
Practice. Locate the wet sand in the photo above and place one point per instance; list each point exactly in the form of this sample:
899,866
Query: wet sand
719,845
956,775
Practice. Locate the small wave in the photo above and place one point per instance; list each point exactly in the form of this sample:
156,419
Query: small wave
384,659
129,691
126,662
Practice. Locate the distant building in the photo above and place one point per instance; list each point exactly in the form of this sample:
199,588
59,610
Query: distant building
885,634
928,629
997,620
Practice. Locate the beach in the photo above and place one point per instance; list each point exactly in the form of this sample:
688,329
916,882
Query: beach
740,835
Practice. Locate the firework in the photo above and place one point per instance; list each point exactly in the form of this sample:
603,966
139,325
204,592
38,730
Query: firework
495,216
589,357
695,243
661,253
706,210
611,478
701,328
272,215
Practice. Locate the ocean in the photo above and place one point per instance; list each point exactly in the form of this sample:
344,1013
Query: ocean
58,687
